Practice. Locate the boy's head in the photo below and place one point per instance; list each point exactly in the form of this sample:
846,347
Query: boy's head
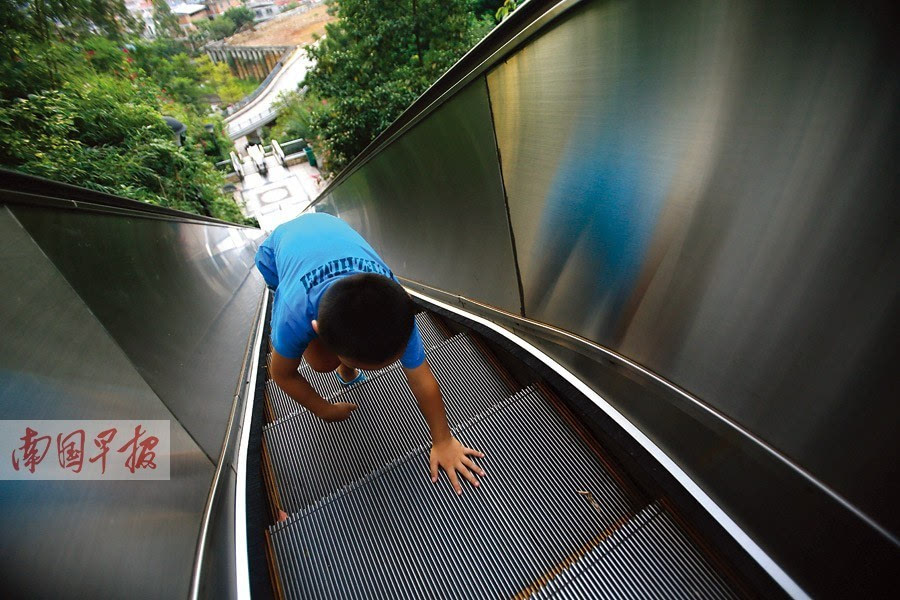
367,318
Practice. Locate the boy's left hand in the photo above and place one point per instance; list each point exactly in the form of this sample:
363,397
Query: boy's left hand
452,456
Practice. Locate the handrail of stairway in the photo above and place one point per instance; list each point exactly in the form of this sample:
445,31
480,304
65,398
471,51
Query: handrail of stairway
247,125
279,153
223,527
262,86
21,188
236,165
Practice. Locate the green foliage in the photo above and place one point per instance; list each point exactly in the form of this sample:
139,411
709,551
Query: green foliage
107,133
164,21
240,16
47,20
33,52
219,80
295,112
189,80
506,9
172,70
377,58
28,65
217,29
226,25
105,56
87,109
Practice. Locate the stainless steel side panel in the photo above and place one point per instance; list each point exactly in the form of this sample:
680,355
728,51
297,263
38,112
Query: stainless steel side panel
178,298
81,539
432,203
710,189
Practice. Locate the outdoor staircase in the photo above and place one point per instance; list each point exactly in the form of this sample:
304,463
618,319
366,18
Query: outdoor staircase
553,517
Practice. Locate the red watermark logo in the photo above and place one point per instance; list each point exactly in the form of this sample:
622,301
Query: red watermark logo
45,449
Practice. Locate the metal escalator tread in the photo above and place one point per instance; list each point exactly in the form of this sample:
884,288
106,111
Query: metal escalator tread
327,385
313,459
395,534
649,557
432,333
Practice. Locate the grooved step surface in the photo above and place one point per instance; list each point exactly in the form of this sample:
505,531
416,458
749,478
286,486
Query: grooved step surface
546,496
313,459
648,558
548,521
327,385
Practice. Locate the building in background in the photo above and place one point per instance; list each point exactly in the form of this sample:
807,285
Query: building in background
263,10
143,11
218,7
189,14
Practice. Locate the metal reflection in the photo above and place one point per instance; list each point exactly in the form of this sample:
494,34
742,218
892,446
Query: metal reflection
432,203
709,188
63,539
178,305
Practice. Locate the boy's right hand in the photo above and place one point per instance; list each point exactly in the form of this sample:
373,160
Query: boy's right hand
337,411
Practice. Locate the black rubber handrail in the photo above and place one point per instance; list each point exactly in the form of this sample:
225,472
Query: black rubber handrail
21,188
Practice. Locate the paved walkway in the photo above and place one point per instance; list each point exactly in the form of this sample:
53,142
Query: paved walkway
260,111
280,195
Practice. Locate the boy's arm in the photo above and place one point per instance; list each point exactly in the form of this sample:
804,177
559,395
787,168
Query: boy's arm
284,372
446,451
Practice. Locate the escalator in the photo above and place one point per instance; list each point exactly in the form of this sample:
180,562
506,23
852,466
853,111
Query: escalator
655,249
555,516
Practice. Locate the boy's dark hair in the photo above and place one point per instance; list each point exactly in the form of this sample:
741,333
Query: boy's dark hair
366,317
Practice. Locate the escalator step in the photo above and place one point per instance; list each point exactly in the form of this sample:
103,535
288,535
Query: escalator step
546,500
431,330
327,385
312,458
649,558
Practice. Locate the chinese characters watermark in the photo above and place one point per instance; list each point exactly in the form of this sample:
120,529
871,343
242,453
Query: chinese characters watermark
56,449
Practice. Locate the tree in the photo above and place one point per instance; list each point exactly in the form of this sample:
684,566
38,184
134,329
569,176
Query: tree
295,110
31,55
226,25
165,23
218,79
46,20
219,28
240,16
375,60
87,109
107,133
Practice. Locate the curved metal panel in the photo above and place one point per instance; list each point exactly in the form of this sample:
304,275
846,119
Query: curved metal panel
77,539
21,188
432,203
175,296
709,189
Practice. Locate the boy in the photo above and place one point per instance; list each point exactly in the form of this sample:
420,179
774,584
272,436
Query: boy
338,305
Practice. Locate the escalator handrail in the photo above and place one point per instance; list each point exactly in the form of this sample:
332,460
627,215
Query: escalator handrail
21,188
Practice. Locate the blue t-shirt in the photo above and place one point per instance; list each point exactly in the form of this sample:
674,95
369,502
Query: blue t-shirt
300,260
